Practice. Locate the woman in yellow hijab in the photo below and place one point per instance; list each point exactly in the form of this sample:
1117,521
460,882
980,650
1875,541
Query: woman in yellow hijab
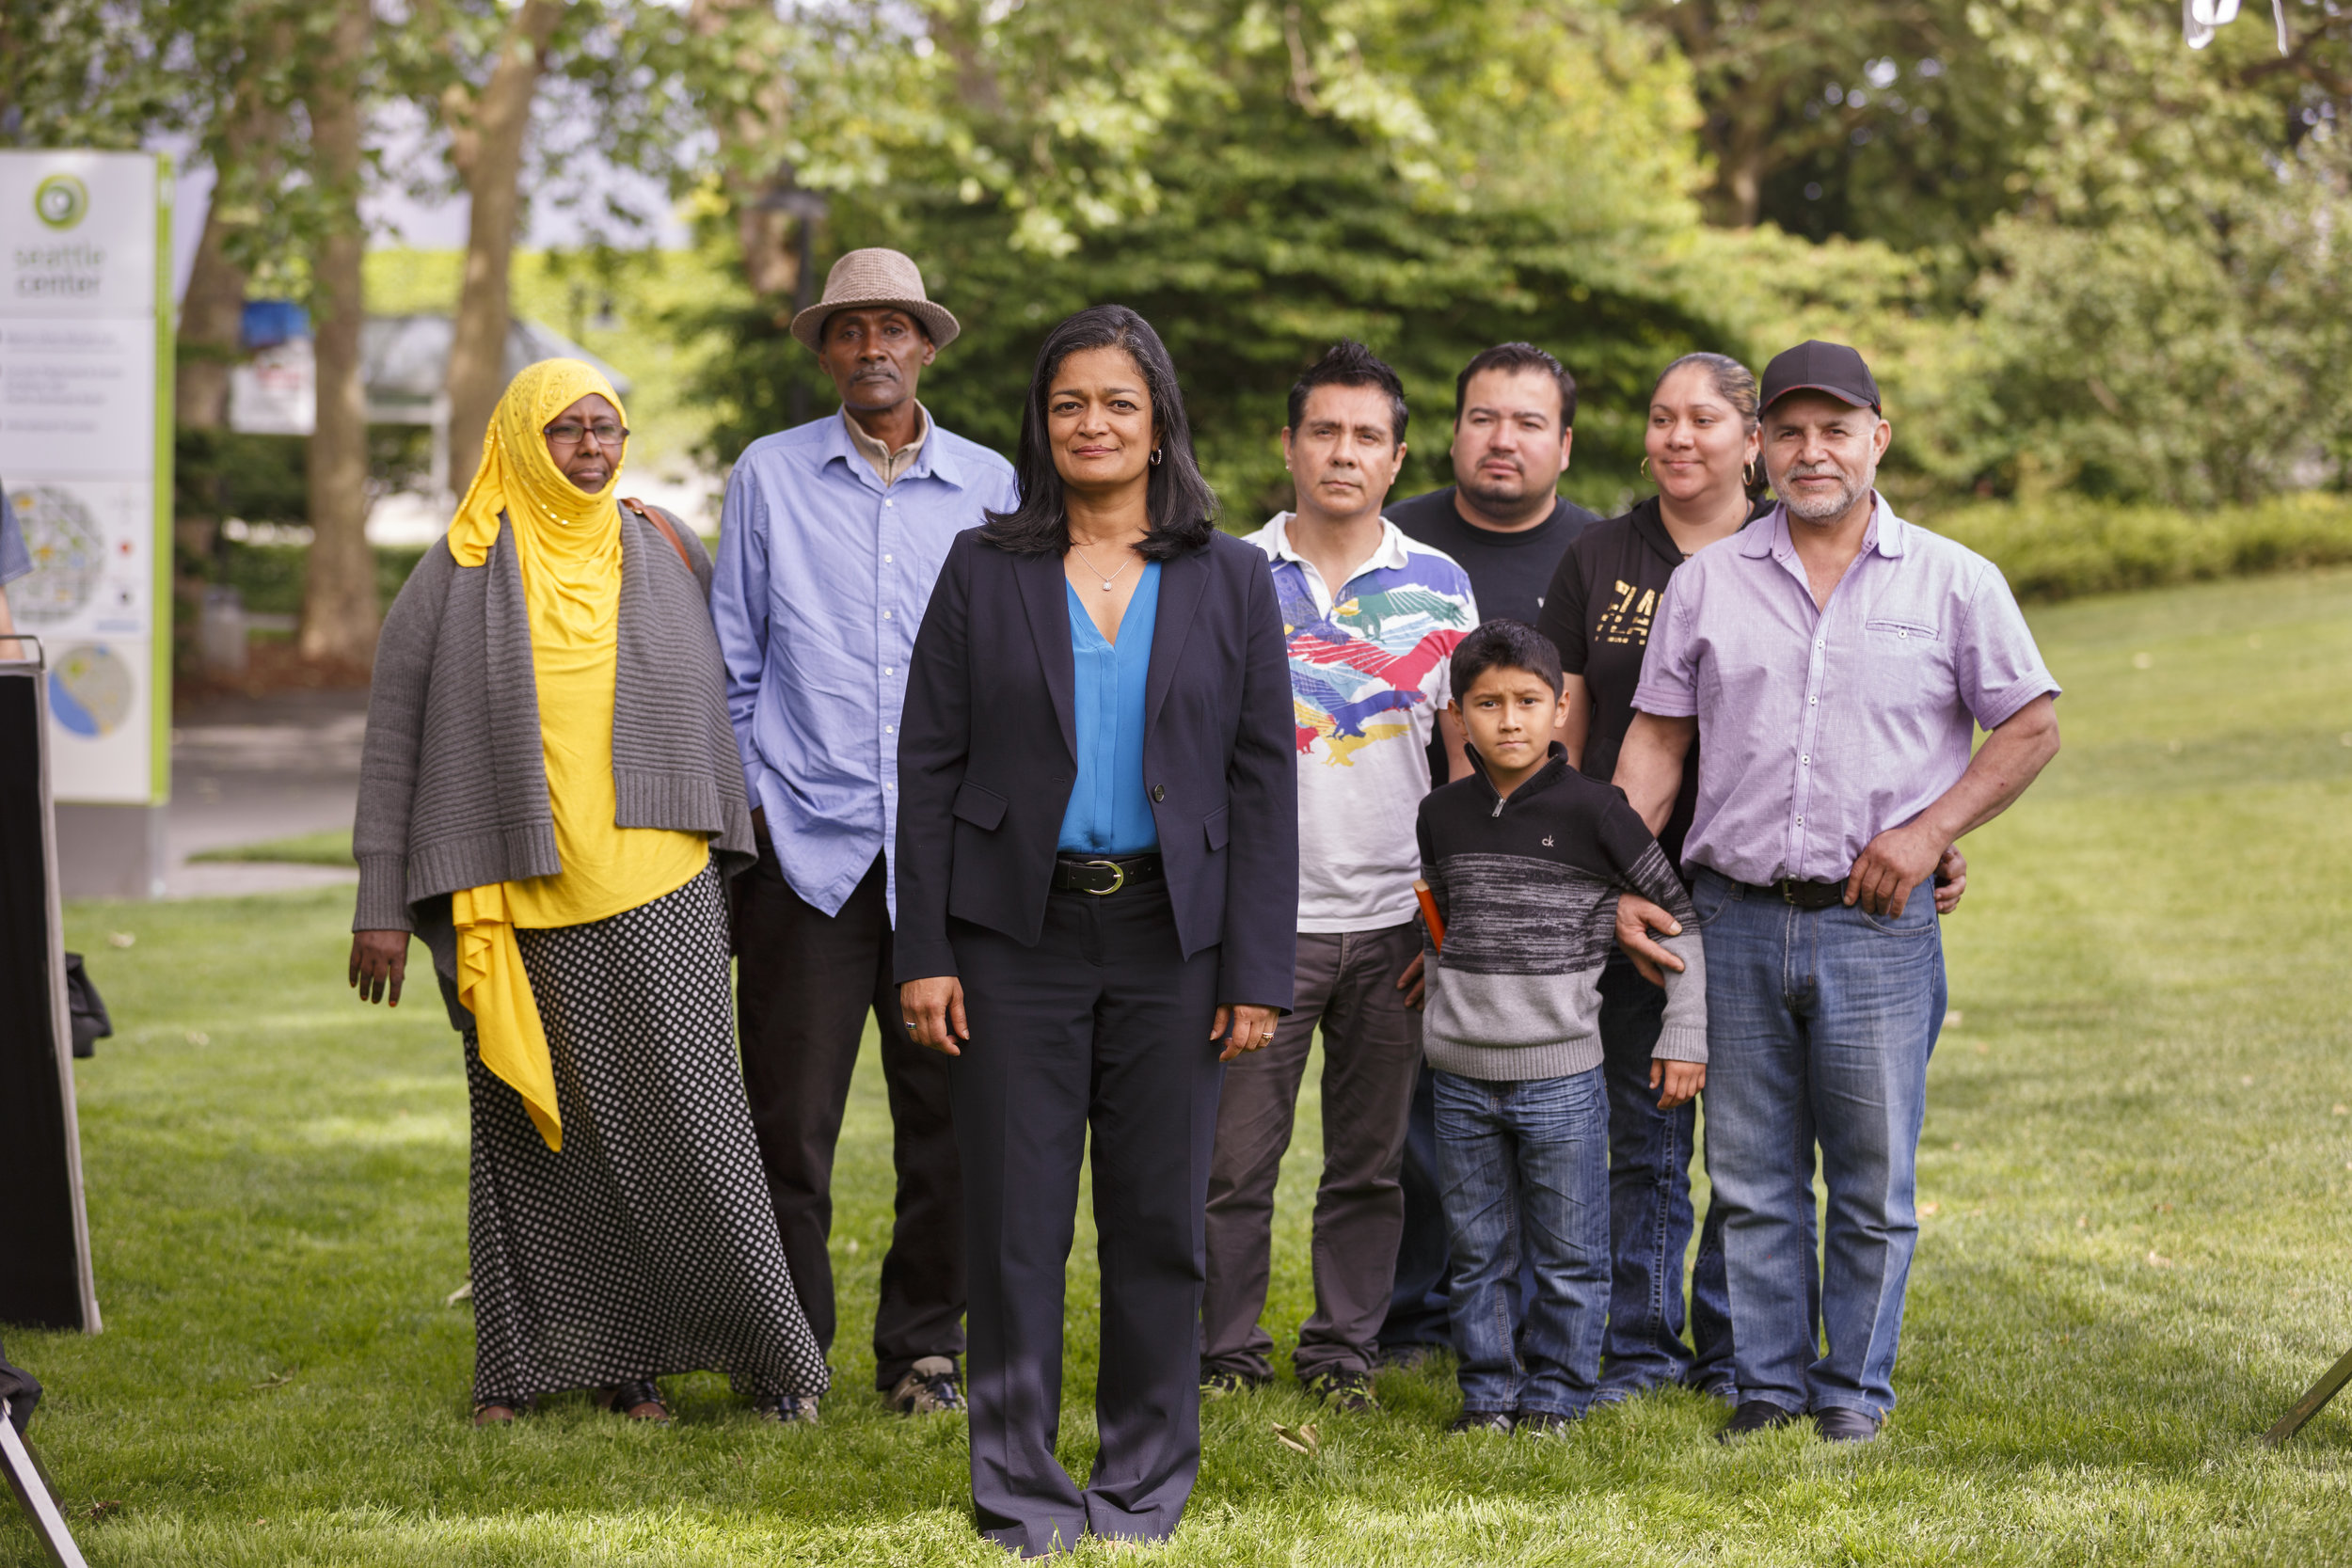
551,796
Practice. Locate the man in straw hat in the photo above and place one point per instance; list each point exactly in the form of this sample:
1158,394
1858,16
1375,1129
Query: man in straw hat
832,536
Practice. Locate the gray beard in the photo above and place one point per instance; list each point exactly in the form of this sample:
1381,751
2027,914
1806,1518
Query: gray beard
1823,510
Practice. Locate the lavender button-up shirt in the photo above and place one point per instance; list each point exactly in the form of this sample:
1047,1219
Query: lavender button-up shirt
823,572
1821,729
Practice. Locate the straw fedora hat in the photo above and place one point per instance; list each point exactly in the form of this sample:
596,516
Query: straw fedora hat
863,279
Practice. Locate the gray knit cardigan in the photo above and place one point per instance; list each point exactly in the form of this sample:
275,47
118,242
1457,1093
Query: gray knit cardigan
452,790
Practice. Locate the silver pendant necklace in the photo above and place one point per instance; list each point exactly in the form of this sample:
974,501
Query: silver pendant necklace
1097,570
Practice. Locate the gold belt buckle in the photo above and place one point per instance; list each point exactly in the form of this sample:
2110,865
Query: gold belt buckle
1119,880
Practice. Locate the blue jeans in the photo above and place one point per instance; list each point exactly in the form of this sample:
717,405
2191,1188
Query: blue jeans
1819,1027
1524,1166
1649,1212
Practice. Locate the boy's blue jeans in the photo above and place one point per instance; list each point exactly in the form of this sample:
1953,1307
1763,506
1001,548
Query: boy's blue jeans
1819,1027
1650,1214
1525,1170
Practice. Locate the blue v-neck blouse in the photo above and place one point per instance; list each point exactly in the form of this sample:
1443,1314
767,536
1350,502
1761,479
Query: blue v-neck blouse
1109,814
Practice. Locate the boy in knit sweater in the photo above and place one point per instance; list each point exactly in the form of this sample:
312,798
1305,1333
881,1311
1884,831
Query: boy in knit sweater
1525,860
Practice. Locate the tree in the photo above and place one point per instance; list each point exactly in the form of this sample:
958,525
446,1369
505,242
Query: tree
339,614
1430,177
249,52
487,127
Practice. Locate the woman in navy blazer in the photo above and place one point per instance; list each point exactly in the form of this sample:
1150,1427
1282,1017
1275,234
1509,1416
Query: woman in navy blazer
1098,879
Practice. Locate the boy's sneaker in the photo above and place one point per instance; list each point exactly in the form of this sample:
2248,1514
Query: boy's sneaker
928,1389
786,1409
1500,1422
1344,1391
1218,1384
1546,1423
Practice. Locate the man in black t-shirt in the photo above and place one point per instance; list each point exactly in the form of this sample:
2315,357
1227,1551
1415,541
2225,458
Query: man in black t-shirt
1502,518
1505,523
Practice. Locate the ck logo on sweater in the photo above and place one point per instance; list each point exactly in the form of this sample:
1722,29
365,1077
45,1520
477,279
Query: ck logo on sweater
1546,841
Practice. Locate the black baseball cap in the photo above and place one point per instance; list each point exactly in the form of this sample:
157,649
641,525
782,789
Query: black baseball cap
1813,366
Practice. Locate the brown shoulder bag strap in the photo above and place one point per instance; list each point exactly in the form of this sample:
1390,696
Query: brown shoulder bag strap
654,515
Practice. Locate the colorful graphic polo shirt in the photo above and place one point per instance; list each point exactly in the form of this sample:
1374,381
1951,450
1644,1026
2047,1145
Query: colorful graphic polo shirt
1369,676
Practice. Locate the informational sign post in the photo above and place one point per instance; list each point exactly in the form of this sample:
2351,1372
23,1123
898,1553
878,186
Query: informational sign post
86,373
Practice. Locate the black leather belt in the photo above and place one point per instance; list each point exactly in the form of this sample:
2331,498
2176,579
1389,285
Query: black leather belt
1804,895
1105,875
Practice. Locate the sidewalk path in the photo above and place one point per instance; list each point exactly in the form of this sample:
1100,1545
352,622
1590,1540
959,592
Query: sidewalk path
247,769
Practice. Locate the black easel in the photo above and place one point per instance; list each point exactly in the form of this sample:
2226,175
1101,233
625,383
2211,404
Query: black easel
44,1234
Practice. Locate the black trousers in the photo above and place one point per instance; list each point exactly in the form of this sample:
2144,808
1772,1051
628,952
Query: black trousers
1103,1024
805,982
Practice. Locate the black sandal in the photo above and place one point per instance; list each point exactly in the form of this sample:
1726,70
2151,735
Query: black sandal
639,1400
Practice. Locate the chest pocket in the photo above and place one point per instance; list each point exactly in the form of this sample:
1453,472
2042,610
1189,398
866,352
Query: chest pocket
1899,631
1906,664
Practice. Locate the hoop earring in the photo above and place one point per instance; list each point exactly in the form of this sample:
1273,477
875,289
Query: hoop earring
1747,475
1157,454
1644,469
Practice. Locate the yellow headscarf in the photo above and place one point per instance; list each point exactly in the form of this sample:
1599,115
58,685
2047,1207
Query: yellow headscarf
567,545
518,477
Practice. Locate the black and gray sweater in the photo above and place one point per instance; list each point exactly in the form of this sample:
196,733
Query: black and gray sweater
1527,885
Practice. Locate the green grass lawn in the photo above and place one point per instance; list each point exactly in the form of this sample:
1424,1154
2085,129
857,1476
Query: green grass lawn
331,847
2134,1256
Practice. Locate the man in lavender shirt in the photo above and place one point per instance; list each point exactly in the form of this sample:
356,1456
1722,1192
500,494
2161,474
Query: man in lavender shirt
1833,662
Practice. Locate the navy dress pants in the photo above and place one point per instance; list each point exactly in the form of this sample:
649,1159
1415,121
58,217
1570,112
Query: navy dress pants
1102,1026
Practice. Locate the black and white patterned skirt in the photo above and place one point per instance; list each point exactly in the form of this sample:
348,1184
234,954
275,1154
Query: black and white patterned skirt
647,1246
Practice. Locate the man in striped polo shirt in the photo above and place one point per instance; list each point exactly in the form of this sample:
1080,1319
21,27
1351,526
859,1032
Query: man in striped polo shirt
1372,619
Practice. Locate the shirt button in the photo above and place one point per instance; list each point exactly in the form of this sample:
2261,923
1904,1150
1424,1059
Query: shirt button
888,671
885,615
1809,702
1800,821
890,504
886,559
1820,644
887,730
1159,792
1807,761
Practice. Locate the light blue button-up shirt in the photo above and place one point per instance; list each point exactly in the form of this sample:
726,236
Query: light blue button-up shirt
1109,812
822,577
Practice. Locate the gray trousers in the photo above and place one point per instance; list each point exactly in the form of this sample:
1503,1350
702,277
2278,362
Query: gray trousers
1346,983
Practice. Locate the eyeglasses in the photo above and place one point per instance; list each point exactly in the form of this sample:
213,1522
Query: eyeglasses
605,432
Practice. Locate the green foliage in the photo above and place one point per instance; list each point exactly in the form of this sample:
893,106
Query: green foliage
225,473
2063,547
2131,1186
1431,178
270,578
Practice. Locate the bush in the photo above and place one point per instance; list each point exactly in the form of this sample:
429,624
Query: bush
268,577
2066,546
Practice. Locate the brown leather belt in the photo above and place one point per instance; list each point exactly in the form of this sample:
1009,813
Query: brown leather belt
1105,873
1802,895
